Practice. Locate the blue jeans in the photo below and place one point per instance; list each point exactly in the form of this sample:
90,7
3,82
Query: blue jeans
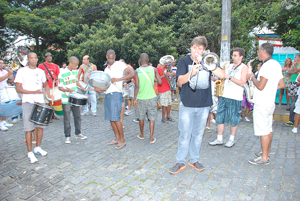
192,122
92,96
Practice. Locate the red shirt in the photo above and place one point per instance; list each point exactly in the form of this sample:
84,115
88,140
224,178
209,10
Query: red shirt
164,86
54,70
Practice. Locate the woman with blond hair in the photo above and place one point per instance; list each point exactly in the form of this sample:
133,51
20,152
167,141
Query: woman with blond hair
287,79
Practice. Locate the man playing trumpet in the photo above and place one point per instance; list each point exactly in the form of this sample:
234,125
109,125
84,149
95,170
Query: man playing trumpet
229,108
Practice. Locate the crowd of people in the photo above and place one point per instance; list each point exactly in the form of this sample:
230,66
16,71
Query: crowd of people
149,90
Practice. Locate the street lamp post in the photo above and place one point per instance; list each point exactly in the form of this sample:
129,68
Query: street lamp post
225,31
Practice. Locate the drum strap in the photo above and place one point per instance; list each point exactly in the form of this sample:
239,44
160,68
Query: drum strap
48,71
84,72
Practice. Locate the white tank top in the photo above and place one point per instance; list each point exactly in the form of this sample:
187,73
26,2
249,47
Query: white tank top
232,90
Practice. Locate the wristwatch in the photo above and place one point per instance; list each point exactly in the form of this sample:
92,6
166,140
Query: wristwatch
230,77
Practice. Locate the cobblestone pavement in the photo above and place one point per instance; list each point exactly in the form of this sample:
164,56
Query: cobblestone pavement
91,170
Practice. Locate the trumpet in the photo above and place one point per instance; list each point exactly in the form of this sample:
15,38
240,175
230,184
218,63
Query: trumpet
14,66
209,62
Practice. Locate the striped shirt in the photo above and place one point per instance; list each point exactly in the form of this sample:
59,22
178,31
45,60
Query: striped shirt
67,79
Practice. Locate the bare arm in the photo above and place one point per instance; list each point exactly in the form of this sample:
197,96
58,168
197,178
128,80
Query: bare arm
219,73
20,90
65,89
47,88
157,76
260,85
281,84
9,75
129,72
79,74
243,79
136,88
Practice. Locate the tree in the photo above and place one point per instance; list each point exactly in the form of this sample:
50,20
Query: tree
284,18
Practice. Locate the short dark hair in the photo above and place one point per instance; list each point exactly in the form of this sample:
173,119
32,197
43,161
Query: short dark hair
199,40
73,59
268,47
240,50
1,59
110,51
31,53
297,55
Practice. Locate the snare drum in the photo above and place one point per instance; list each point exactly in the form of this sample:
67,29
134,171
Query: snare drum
84,85
78,99
57,94
41,114
100,80
9,93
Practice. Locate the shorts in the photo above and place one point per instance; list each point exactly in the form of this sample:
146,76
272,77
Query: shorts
214,107
26,112
112,106
229,110
246,103
292,89
263,119
146,106
165,98
297,106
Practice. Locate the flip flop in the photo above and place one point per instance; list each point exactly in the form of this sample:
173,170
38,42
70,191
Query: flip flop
141,138
153,141
164,120
112,142
170,119
120,145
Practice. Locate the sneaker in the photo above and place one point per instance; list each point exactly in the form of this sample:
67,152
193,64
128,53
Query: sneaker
7,124
207,129
247,119
32,158
81,137
128,112
229,143
84,113
126,107
259,161
216,142
94,113
68,141
197,166
3,128
40,151
177,167
294,130
289,123
14,121
213,121
258,154
136,120
288,109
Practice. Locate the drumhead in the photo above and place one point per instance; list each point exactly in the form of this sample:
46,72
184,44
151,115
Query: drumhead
78,96
44,106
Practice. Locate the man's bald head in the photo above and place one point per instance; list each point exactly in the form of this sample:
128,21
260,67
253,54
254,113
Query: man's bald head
144,58
73,60
110,52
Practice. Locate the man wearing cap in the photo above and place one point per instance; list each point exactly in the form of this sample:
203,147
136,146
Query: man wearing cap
49,67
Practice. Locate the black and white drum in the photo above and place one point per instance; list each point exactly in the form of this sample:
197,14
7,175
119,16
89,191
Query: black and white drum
100,80
41,114
78,99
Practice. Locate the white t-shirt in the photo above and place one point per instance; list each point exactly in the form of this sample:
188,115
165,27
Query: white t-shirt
271,70
4,82
115,71
232,90
298,92
31,80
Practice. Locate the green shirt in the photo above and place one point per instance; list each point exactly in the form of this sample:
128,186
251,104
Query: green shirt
67,79
146,90
295,75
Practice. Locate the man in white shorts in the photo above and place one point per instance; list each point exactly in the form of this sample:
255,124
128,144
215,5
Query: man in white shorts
269,79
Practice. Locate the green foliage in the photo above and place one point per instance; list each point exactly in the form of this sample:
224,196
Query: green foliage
285,19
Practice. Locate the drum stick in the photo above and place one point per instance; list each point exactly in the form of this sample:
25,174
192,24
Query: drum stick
52,92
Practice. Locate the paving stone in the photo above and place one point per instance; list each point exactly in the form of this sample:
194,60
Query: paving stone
91,170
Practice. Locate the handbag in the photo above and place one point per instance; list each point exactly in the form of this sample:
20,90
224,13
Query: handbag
157,97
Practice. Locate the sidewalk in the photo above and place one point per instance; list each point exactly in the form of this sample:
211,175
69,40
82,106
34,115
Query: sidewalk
91,170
